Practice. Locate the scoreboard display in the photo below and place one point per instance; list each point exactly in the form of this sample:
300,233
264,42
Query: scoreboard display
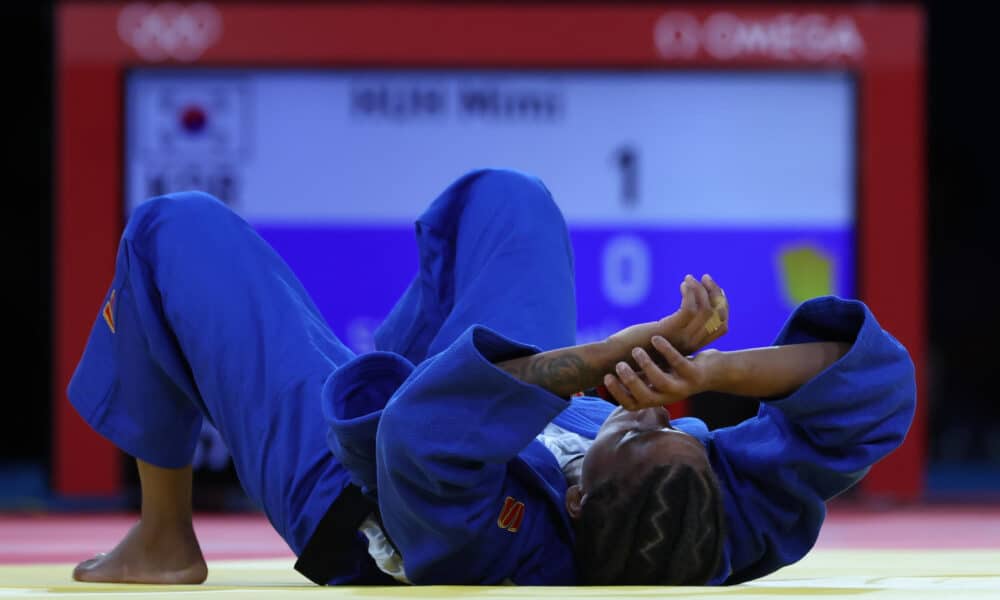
750,176
778,147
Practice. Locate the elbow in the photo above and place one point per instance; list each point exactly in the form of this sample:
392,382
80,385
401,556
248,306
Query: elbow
900,402
897,379
907,409
906,391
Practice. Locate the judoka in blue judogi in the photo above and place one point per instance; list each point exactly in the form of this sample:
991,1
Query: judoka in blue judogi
441,457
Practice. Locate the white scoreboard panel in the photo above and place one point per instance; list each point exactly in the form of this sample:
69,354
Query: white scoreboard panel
747,175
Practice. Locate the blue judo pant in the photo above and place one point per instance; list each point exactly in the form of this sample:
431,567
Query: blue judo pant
204,320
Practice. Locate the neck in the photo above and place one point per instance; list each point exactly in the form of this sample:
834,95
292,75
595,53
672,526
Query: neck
572,470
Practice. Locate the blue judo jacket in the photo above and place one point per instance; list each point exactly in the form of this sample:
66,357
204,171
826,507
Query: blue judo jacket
205,320
447,446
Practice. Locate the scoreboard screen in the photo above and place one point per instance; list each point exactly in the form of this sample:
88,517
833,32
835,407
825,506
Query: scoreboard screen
750,176
778,147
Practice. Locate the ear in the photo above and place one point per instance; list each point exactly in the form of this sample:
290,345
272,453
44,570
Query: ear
574,501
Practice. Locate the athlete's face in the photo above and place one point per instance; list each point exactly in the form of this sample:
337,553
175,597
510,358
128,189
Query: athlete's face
627,446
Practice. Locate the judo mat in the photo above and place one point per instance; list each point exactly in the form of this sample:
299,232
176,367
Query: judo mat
937,553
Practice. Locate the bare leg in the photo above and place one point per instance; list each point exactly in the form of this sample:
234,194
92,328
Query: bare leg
161,547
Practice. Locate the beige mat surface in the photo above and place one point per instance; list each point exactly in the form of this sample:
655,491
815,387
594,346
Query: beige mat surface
862,574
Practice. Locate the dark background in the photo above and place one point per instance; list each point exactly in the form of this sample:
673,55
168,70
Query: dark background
963,199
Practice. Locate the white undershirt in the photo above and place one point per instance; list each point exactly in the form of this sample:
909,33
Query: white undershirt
382,552
565,445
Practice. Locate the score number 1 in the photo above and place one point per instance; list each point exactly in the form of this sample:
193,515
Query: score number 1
626,158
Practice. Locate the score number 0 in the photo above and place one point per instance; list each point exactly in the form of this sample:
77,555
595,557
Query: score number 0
626,264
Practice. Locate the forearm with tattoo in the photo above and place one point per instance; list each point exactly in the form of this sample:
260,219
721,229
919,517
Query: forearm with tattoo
563,372
566,371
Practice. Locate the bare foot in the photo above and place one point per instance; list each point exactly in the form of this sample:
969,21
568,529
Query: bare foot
148,554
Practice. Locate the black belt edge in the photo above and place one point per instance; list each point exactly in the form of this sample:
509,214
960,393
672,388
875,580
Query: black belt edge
333,546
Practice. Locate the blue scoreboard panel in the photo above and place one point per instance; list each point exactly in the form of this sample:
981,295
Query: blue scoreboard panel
750,176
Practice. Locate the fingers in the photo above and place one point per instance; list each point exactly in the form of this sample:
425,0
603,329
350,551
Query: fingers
710,319
652,386
717,297
720,306
695,332
631,391
652,374
639,391
689,303
620,393
678,363
722,329
701,294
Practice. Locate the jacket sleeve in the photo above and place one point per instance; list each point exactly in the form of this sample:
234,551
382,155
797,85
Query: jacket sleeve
353,399
455,496
778,468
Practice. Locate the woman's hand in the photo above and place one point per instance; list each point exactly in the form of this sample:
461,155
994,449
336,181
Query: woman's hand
655,386
702,318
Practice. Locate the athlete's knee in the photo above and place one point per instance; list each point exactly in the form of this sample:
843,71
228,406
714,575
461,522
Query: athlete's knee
515,199
179,213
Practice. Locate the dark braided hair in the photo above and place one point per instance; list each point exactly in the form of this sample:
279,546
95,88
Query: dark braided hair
667,529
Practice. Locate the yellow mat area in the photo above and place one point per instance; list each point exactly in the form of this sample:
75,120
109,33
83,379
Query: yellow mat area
868,574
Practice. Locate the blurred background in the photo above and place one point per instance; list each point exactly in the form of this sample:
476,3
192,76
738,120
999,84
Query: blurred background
792,152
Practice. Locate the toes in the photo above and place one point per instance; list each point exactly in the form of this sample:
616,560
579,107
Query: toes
82,570
85,571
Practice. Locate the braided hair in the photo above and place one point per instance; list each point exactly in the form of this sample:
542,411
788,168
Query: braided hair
667,529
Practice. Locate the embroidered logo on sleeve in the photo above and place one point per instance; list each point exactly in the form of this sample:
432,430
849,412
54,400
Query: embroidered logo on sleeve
511,515
108,312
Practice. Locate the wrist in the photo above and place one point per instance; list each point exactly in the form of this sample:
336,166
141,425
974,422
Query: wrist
722,370
619,345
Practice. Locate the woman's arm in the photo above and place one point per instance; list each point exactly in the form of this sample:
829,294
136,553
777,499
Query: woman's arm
772,371
757,372
808,445
566,371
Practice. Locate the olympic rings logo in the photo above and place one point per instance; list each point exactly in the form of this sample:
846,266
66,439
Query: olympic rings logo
677,35
169,31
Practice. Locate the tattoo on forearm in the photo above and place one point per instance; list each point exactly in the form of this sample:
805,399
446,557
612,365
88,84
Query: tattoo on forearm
563,374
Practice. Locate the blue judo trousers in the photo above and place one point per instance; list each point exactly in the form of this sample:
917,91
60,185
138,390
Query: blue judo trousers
204,320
